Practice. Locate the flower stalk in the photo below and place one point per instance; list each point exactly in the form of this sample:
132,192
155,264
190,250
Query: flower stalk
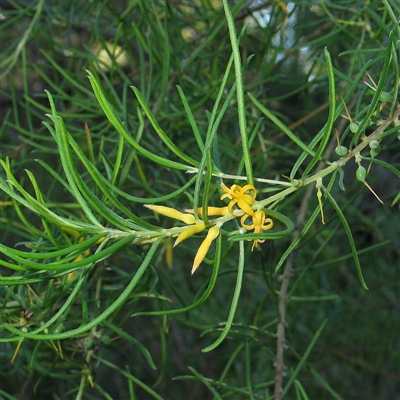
212,234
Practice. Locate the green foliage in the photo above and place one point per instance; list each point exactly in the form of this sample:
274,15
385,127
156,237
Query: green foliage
131,125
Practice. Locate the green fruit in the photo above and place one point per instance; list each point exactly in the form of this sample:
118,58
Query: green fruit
60,328
385,97
374,152
361,173
88,343
373,144
106,339
341,151
354,127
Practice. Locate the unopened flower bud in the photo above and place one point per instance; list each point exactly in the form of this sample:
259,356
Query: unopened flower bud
172,213
205,246
190,231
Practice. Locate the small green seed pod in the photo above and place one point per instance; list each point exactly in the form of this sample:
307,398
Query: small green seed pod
353,127
374,152
296,183
341,151
106,339
88,343
60,328
385,97
361,173
373,144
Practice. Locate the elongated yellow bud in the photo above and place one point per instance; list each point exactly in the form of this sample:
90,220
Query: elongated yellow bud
204,247
188,219
190,231
211,211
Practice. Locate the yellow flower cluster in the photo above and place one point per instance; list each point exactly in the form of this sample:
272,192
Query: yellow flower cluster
241,200
240,197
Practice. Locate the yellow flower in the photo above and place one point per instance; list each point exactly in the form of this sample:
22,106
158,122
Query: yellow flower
205,246
239,196
188,219
260,224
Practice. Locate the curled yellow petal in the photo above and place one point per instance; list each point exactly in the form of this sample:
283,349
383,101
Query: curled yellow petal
247,188
268,224
188,219
242,197
204,247
190,231
256,242
260,224
230,193
243,222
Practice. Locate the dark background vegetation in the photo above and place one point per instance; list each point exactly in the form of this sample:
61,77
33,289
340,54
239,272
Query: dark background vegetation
186,43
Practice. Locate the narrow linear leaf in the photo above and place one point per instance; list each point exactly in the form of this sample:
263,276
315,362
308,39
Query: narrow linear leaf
191,118
379,89
325,133
292,136
103,184
131,340
79,247
304,358
205,382
118,125
214,121
240,93
66,160
349,235
234,302
65,264
388,166
128,376
162,135
34,205
207,292
97,320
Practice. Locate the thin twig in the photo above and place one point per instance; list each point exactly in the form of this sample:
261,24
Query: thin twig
282,296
